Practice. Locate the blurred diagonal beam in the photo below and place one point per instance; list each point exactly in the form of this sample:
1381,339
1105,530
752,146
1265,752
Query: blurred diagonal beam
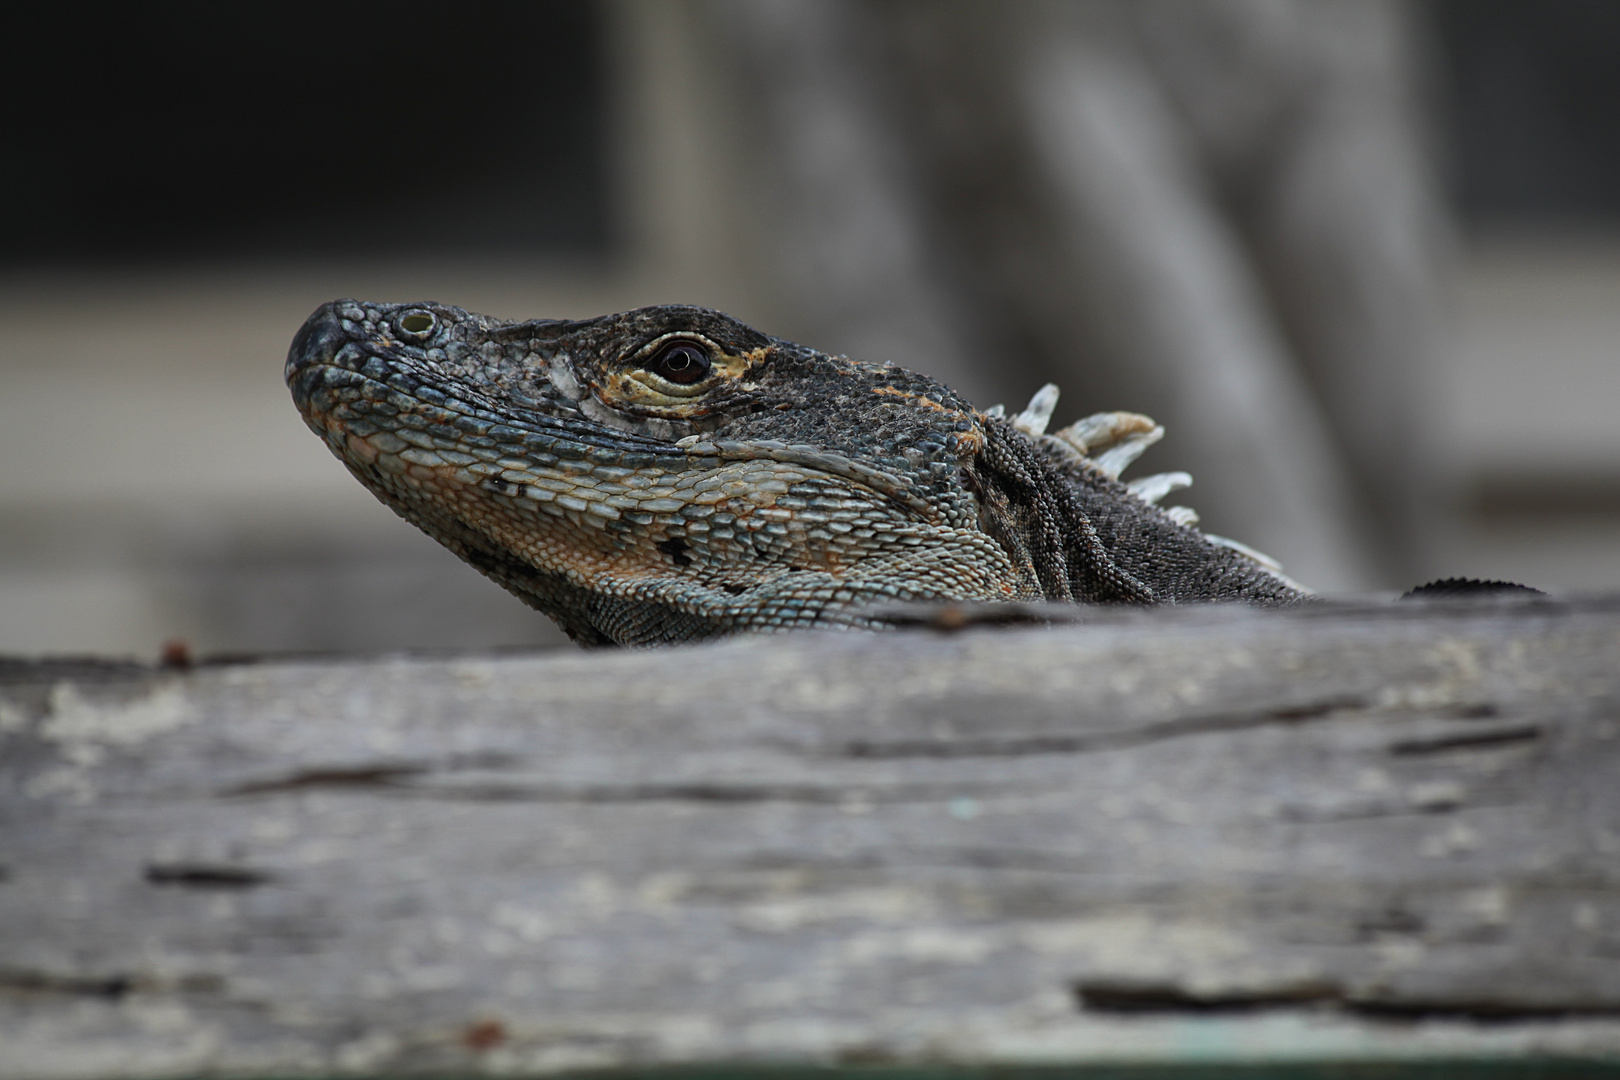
1172,294
1309,121
851,241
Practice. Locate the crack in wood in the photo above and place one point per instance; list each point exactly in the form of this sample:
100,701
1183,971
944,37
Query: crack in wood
93,986
1478,1010
1472,740
701,792
424,781
1125,996
207,875
1077,743
1391,807
362,776
113,987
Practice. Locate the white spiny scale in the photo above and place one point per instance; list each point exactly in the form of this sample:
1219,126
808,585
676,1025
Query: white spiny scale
1150,489
1038,413
1246,551
1260,558
996,412
1118,457
1099,431
1182,515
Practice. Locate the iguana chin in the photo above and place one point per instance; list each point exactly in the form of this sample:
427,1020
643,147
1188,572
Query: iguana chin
669,474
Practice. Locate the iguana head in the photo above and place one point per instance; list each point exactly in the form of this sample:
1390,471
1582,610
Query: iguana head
669,473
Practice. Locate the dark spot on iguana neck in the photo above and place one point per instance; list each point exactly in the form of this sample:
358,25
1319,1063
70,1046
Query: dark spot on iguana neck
675,548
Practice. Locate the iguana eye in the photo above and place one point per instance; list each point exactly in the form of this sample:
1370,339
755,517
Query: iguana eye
680,362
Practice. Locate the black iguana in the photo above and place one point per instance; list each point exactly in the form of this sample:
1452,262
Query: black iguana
669,474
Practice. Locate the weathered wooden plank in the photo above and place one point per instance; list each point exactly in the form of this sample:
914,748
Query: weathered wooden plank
1170,835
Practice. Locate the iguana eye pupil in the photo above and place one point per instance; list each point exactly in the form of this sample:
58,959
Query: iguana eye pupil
680,362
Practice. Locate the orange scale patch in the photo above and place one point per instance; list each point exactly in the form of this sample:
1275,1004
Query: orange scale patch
969,442
917,399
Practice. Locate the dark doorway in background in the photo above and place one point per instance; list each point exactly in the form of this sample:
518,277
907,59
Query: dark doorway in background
177,130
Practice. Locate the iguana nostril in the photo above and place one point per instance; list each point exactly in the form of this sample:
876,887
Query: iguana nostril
317,341
417,324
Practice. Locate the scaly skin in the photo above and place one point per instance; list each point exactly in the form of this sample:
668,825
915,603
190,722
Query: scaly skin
783,488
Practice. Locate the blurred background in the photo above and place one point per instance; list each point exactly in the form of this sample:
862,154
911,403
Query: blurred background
1360,257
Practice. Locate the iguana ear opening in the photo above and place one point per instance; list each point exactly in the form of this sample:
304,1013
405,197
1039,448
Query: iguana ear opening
1034,515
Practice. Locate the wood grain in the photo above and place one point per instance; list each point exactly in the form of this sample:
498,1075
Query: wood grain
1174,835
